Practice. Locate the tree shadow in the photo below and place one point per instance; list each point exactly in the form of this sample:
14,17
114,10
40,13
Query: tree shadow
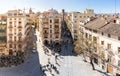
105,73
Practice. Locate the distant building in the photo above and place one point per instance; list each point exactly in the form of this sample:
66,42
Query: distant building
50,27
3,34
75,18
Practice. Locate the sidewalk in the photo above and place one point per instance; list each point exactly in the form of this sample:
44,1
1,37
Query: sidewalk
44,57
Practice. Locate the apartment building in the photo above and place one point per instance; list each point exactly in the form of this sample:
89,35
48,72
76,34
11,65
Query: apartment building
3,34
75,18
50,27
105,32
16,21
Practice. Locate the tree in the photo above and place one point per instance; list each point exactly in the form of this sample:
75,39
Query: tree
84,46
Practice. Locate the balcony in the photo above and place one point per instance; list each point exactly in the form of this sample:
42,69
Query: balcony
10,34
110,52
20,41
45,22
20,34
57,32
10,41
10,27
45,27
45,33
19,26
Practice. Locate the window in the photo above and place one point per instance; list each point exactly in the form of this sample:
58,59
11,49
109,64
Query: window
10,30
20,46
75,21
50,26
118,62
75,17
15,38
45,36
109,35
75,37
95,31
14,18
50,36
14,31
80,16
56,36
10,18
10,45
19,18
86,35
90,37
10,23
119,50
10,37
19,22
102,42
50,21
119,38
19,30
15,23
19,38
109,46
15,46
56,20
75,31
102,33
95,39
45,31
50,31
9,14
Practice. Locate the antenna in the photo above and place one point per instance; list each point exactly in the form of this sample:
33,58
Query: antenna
115,7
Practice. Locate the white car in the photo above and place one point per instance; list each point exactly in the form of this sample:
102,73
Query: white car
34,51
34,48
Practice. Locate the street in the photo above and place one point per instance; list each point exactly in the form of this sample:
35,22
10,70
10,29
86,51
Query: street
68,63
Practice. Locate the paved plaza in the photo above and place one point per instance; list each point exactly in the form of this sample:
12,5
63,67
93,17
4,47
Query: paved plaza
68,63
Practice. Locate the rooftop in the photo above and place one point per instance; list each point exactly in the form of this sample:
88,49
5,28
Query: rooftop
106,25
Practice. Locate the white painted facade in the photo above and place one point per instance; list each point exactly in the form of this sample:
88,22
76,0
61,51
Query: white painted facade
115,44
16,32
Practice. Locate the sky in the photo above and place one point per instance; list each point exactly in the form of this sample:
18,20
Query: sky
99,6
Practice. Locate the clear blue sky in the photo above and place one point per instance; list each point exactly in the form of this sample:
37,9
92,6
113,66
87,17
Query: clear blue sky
99,6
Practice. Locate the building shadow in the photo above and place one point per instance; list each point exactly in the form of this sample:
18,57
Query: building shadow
66,48
104,73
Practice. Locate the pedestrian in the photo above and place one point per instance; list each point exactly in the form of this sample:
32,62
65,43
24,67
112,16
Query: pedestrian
48,60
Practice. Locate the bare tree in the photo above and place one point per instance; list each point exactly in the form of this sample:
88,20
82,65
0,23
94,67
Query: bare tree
85,46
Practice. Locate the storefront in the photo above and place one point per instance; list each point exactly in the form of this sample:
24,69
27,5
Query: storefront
109,69
95,59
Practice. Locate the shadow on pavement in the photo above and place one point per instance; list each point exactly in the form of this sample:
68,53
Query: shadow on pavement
105,74
66,47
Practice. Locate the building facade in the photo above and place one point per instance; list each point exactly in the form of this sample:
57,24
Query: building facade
50,27
105,31
3,35
16,21
75,18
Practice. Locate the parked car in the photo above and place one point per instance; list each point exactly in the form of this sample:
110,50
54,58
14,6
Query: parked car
34,51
